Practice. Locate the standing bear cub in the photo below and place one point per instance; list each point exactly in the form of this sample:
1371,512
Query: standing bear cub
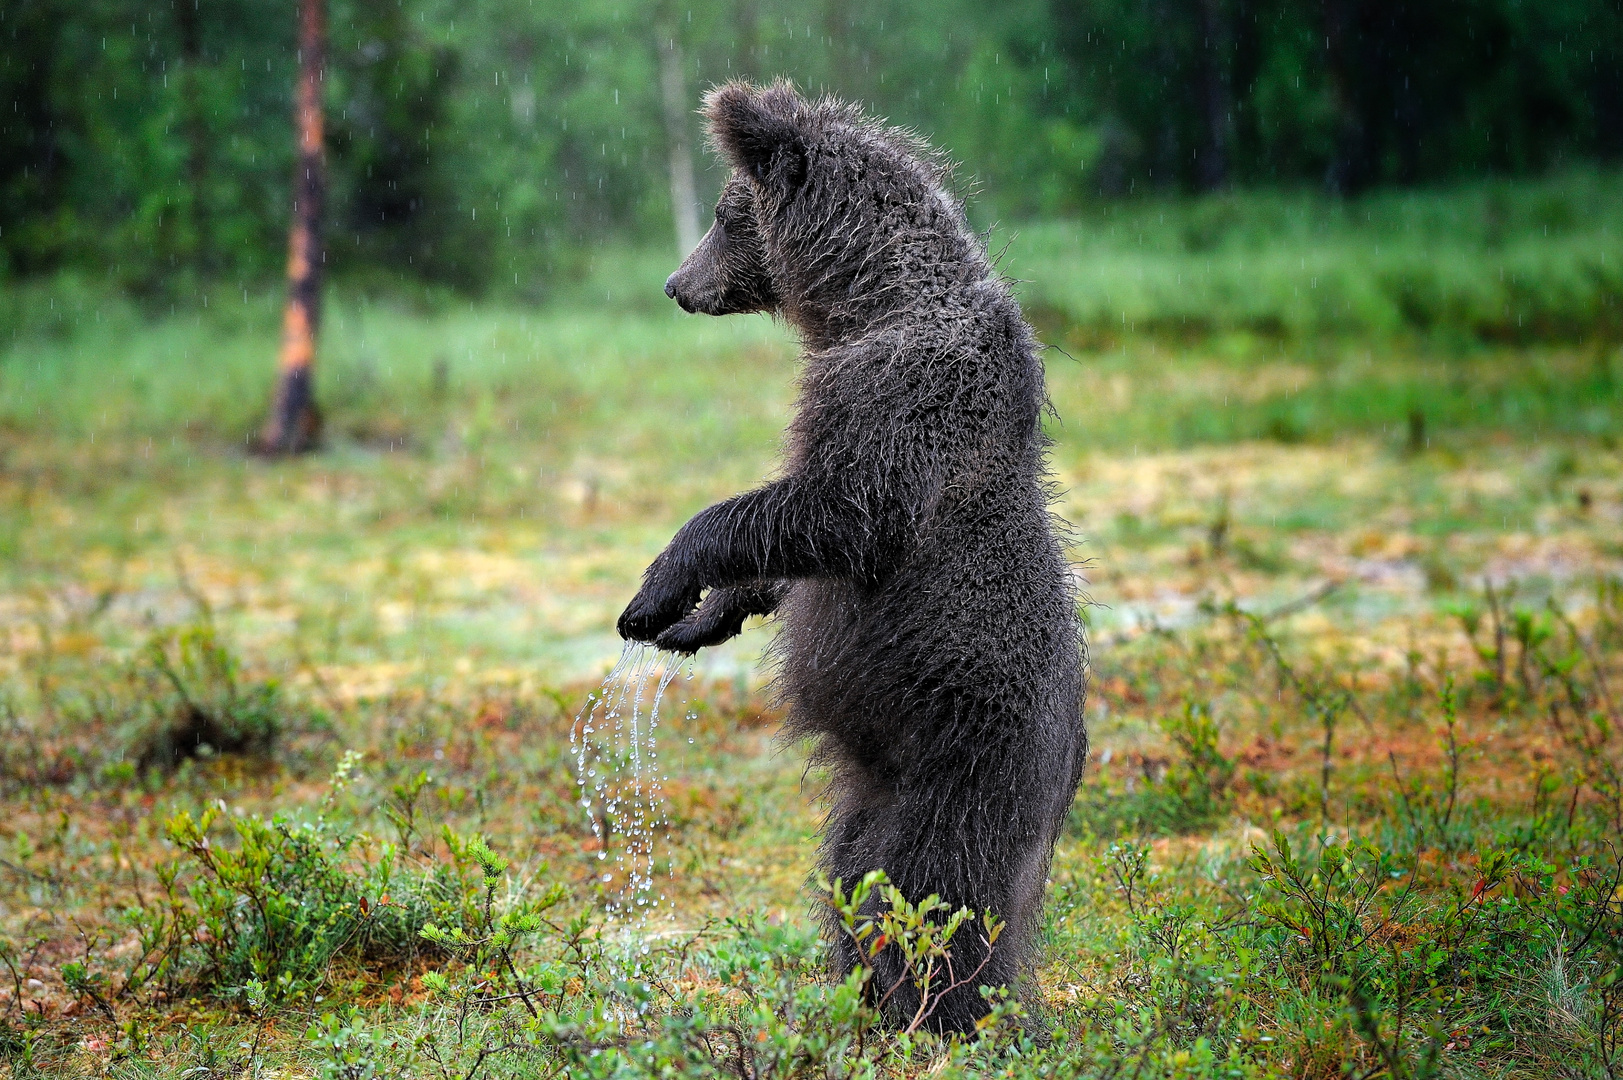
930,643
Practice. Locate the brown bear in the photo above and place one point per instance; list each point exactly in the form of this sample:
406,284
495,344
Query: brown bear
930,640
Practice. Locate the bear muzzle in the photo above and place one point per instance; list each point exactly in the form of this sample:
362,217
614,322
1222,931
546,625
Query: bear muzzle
675,292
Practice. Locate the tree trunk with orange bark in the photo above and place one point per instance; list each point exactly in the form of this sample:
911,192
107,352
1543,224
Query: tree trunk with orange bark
295,422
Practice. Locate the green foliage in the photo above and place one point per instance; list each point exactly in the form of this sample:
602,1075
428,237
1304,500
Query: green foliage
488,945
1431,811
1364,964
525,992
1187,795
182,695
1199,95
1185,963
197,702
484,147
1198,782
921,935
266,909
488,383
1531,659
1472,263
1425,943
1415,973
349,1047
522,991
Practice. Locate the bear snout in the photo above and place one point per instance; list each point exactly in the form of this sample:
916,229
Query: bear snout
675,292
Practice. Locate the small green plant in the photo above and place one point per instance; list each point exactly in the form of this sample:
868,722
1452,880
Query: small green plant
1181,958
275,902
1192,793
87,986
525,993
1198,781
402,809
1325,698
876,916
489,942
1560,672
1490,642
350,1047
1583,709
494,995
1332,906
1430,811
1354,923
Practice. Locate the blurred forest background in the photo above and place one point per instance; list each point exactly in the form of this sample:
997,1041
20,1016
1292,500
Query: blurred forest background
479,145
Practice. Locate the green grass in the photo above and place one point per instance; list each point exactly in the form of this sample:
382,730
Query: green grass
612,382
1493,262
1496,306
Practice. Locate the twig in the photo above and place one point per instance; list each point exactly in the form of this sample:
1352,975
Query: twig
184,580
36,875
952,985
1305,601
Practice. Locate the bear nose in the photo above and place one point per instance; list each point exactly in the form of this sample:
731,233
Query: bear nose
670,286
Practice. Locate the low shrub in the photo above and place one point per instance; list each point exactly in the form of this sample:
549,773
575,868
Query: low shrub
275,903
196,702
528,994
1190,793
184,695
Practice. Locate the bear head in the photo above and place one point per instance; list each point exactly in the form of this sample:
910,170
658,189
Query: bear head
829,217
726,274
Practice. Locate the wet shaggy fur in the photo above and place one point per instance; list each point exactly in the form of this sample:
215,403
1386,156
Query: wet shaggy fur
930,642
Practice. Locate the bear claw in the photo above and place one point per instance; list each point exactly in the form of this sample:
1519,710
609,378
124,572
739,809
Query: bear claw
646,616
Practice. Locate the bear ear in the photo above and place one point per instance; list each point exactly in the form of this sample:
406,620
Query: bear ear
760,131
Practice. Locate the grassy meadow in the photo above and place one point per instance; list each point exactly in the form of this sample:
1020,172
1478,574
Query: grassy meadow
287,774
1493,261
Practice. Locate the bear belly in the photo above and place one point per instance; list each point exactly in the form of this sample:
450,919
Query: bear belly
960,677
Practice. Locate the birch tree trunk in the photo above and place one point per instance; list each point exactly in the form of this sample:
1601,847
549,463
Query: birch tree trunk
684,199
201,248
294,425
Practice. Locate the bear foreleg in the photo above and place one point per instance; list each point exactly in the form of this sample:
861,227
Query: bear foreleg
779,531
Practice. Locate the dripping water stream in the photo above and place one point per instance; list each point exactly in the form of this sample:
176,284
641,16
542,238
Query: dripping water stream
621,782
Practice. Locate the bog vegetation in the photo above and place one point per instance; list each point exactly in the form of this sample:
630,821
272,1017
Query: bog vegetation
287,774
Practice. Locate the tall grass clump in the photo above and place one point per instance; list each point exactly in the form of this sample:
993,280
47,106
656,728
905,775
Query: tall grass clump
1492,261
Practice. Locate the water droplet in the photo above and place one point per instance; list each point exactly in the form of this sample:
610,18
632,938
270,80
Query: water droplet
617,755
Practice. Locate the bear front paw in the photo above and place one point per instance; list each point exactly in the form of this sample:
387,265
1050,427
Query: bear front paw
656,607
716,620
